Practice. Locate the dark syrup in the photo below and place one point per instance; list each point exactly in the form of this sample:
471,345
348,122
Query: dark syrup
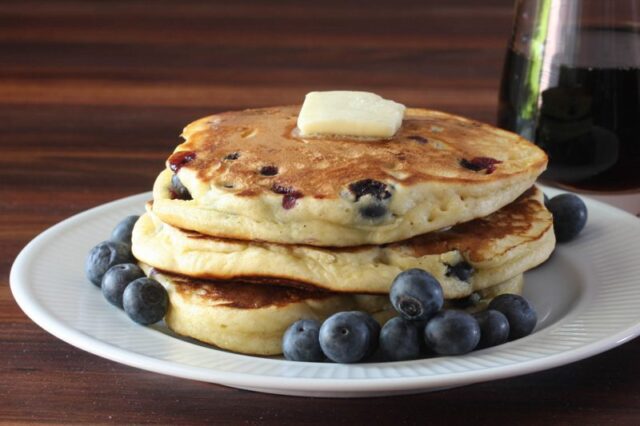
587,120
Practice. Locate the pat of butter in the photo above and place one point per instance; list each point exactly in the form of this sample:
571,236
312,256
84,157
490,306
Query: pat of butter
358,114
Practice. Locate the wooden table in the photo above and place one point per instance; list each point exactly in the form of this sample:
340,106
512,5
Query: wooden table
92,99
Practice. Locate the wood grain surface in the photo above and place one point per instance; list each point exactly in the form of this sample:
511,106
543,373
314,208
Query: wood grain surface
93,95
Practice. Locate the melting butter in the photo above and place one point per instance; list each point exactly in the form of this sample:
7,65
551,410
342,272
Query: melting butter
349,113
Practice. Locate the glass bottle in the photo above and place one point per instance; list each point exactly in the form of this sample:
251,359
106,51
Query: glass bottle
571,84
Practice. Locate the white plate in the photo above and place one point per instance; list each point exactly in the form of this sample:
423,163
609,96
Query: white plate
587,297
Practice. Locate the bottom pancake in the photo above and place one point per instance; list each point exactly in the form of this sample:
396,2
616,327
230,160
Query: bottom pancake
252,318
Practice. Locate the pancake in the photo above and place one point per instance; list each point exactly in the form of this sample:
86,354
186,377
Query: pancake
250,318
465,258
247,175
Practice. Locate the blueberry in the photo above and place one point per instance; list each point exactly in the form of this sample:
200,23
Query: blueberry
569,216
461,270
232,156
494,328
370,187
122,232
269,170
291,195
452,332
480,163
416,295
345,337
104,256
145,301
116,279
374,330
399,340
520,314
301,341
179,190
373,211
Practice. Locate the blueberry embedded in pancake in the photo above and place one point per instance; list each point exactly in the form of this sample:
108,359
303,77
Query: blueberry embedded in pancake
178,190
461,270
438,170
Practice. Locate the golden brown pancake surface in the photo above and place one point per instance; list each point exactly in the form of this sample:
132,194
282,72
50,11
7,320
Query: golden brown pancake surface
256,151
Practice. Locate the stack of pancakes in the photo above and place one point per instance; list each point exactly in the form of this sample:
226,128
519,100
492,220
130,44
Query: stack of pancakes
253,227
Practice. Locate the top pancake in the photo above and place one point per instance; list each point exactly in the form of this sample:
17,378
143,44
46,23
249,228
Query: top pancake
252,177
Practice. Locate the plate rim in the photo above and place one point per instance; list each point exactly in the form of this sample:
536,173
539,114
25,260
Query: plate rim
42,316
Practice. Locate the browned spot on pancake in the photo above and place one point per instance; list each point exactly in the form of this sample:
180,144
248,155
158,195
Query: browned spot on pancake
248,192
474,236
277,143
244,294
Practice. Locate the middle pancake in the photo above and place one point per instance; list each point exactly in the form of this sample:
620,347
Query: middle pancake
465,258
